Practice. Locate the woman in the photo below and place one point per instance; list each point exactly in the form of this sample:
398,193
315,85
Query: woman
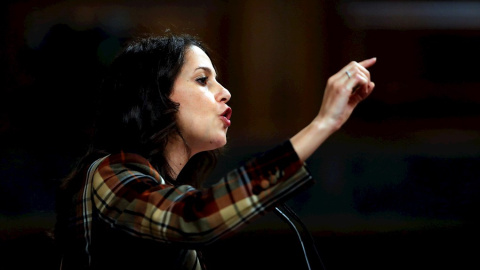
136,198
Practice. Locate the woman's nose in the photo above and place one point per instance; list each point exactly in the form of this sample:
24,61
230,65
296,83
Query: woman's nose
224,95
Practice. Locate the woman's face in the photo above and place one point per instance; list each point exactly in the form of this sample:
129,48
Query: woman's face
203,116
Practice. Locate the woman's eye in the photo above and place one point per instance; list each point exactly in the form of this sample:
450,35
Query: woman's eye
202,80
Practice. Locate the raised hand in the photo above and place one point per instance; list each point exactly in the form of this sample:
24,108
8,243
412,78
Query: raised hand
344,91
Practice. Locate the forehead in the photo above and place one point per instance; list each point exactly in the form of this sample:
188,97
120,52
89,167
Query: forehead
196,57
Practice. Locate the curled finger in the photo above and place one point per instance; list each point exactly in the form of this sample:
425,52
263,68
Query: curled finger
356,79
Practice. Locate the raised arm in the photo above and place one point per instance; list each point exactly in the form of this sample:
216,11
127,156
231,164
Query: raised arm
344,91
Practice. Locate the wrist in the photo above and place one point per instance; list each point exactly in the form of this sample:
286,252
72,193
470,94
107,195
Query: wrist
325,126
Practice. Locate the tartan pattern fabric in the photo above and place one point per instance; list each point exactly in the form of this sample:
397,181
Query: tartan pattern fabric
87,214
128,194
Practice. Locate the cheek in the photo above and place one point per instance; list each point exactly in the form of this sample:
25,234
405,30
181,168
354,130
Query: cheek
196,107
191,119
195,111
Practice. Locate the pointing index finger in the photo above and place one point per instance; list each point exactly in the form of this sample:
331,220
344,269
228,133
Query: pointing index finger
368,62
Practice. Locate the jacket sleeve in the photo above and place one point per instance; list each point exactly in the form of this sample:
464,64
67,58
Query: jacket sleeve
130,195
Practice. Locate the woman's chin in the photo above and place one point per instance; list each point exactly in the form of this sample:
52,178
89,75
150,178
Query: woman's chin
219,143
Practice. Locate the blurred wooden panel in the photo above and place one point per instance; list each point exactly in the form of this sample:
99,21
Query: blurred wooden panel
276,65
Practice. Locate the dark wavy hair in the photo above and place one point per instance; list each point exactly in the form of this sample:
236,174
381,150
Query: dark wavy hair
135,115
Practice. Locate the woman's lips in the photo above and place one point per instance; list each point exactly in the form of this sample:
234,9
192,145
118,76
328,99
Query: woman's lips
226,115
226,121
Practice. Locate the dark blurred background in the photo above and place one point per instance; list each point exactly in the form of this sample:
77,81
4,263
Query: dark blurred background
398,187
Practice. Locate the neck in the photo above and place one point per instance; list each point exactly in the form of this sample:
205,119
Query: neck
177,155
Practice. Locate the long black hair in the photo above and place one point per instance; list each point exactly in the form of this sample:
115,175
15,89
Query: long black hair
135,115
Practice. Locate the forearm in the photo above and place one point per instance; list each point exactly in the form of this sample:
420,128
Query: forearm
307,140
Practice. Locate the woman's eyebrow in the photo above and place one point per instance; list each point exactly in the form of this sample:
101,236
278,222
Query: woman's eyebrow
207,69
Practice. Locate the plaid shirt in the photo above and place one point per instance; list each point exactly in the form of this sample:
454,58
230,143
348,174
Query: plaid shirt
124,192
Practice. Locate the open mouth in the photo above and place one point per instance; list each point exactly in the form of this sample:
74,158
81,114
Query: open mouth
225,116
227,113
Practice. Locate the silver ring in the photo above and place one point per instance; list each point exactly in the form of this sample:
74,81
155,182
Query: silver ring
348,74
